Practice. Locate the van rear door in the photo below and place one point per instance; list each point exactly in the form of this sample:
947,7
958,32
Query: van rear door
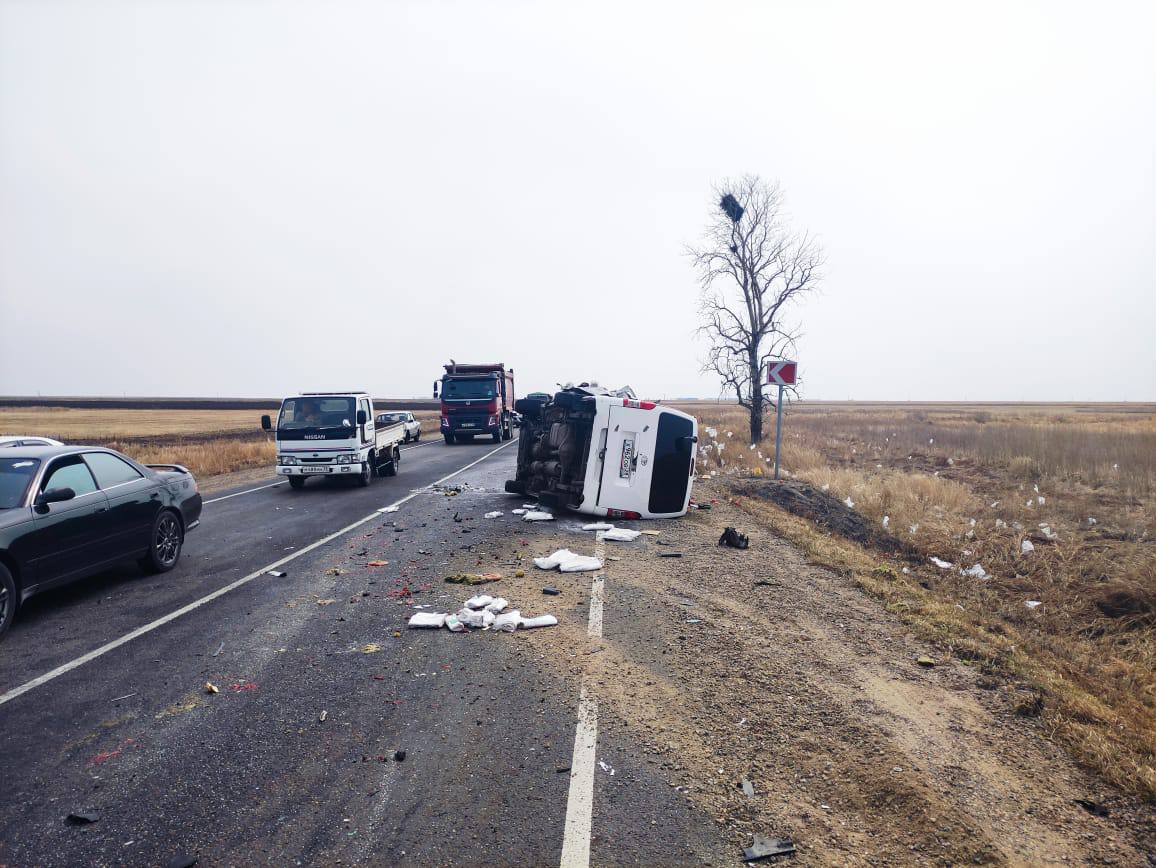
672,464
629,452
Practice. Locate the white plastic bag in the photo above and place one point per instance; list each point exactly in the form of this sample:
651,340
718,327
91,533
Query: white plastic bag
495,514
428,619
507,622
622,534
487,619
549,563
479,602
598,525
539,621
535,515
455,624
580,564
497,604
471,617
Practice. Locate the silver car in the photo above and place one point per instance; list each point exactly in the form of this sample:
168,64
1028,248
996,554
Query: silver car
412,426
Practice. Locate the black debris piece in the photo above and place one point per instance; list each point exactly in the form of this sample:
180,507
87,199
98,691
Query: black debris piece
399,755
670,554
551,592
83,818
182,861
763,848
1092,807
731,537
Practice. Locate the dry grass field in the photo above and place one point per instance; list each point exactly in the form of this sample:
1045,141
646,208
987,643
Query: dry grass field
208,442
1071,613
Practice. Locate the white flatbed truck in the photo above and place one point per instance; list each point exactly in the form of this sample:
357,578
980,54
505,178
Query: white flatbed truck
330,434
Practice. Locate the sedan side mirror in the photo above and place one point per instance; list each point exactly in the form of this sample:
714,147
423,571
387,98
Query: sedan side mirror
54,495
266,423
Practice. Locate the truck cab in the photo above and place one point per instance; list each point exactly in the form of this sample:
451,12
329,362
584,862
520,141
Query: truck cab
334,434
476,399
605,453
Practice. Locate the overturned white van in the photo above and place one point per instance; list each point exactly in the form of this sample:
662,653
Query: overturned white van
605,453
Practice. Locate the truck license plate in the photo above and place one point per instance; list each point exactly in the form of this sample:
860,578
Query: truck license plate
314,469
627,463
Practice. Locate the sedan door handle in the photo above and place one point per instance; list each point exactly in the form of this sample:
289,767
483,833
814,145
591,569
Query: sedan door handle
102,509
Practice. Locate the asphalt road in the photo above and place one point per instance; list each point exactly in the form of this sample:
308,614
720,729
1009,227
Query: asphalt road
293,761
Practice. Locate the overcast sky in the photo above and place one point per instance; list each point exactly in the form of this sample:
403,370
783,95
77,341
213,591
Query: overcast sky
255,198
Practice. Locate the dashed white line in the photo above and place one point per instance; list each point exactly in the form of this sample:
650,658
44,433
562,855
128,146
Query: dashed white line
220,592
580,798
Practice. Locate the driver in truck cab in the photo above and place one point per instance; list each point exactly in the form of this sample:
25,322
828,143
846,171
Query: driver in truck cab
308,414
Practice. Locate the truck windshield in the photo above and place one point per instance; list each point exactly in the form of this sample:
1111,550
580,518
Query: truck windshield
469,389
673,451
317,415
15,474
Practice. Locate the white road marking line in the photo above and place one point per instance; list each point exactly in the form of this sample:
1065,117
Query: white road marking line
246,491
282,482
580,798
220,592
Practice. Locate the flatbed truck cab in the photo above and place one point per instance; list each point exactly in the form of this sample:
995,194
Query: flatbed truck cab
476,399
601,453
332,434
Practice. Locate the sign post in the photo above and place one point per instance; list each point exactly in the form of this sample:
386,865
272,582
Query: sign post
780,374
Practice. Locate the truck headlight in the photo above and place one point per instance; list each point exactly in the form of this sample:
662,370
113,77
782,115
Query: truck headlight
286,459
347,459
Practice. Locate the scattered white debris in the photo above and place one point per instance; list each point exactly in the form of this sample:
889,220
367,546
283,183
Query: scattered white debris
951,461
518,511
1029,503
1115,466
1031,604
568,562
389,508
914,528
622,534
976,572
507,622
906,571
943,565
994,504
455,625
886,521
598,525
497,605
826,486
730,434
850,503
1026,546
1040,500
537,516
712,433
497,513
752,447
605,767
1091,520
435,620
999,522
479,602
930,440
539,621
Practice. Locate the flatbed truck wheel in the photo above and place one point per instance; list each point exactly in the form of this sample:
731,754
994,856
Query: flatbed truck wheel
297,482
391,466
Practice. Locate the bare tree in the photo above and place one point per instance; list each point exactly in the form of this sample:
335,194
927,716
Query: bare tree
750,268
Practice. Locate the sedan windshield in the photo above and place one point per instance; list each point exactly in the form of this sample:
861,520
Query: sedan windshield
15,475
469,389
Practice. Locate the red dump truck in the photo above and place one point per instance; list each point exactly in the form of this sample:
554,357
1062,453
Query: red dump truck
476,399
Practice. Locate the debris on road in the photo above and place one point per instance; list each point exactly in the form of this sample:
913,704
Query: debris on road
650,532
621,534
598,525
181,861
454,624
280,574
1092,807
497,513
377,564
329,601
507,622
473,578
394,508
399,755
1032,604
435,620
220,648
370,648
537,515
568,562
606,768
128,695
977,572
763,848
748,788
210,687
925,661
479,602
734,539
552,592
538,621
82,818
321,717
942,564
1026,546
497,604
670,554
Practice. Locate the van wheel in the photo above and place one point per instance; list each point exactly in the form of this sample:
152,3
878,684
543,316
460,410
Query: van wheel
297,482
165,544
7,599
391,466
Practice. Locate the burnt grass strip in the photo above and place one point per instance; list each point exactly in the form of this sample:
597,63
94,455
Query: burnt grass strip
827,512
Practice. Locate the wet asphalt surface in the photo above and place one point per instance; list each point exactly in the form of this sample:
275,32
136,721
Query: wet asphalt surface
293,761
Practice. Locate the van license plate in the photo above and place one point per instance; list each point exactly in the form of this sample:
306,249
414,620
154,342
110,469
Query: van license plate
626,466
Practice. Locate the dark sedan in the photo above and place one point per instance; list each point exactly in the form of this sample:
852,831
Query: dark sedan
67,512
